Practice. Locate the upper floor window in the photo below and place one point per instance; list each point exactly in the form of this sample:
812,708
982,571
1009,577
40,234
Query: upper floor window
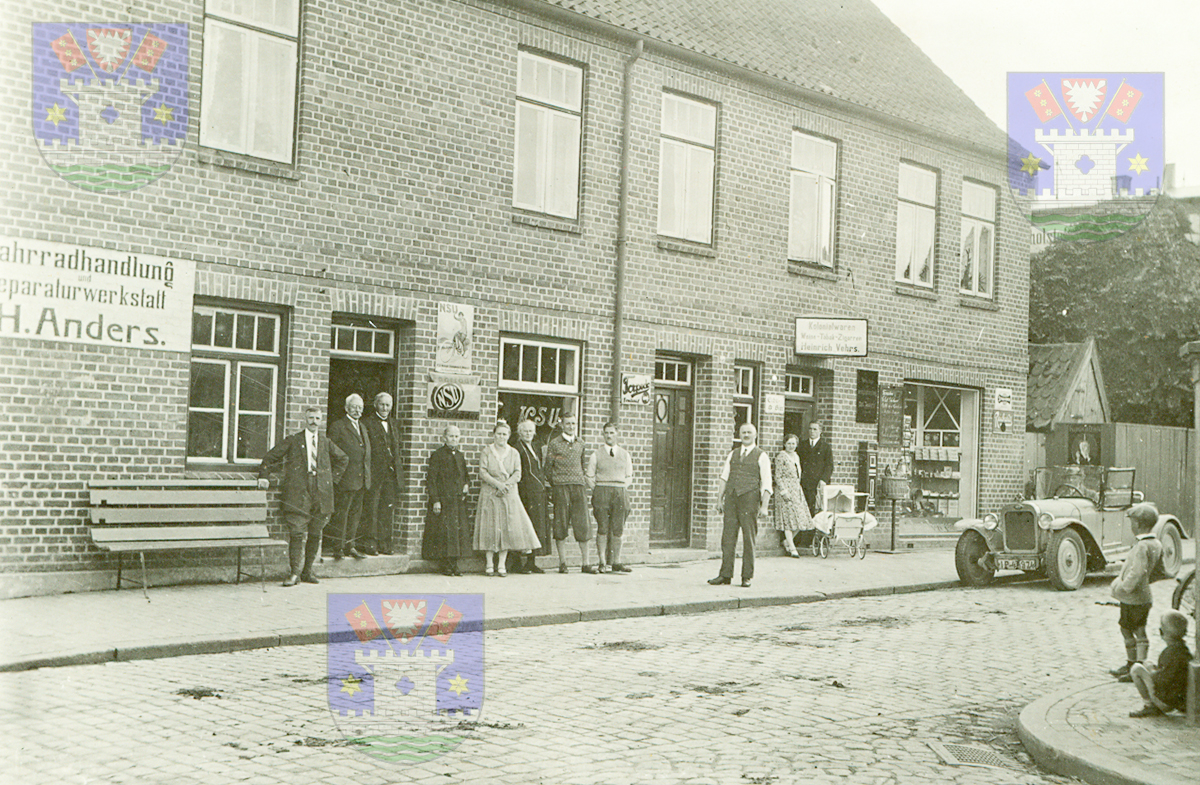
978,239
248,92
233,401
915,223
549,119
814,194
687,167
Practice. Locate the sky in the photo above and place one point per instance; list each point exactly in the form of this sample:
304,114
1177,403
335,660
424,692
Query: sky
977,43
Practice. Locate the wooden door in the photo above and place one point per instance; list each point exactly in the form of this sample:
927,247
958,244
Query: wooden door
671,486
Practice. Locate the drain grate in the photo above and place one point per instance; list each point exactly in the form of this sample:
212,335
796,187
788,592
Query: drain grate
962,755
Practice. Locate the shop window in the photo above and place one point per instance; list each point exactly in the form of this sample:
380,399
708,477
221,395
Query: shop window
549,123
941,440
978,239
687,166
745,395
915,221
813,198
233,400
538,380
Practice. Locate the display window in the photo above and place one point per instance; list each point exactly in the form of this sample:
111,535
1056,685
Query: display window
941,446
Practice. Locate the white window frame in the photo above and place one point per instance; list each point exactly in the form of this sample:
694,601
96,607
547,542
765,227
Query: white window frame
745,377
356,330
798,385
232,359
687,168
249,77
549,130
916,222
669,372
813,173
532,344
977,254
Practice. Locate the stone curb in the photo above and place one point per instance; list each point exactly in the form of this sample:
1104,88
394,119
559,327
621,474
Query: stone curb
1072,754
305,637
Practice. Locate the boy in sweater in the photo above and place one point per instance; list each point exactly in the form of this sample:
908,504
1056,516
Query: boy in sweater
1164,688
609,473
1132,587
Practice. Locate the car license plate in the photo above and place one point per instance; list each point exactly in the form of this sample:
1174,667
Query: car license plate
1015,563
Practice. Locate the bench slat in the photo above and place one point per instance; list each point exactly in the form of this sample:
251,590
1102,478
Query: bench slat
112,515
182,545
120,497
164,533
172,484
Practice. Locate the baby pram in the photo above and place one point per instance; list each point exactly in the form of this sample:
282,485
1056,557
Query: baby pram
838,523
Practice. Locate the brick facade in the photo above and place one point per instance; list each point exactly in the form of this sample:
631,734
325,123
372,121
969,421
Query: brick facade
400,198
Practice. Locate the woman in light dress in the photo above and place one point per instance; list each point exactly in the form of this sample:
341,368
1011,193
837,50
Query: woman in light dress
791,511
501,523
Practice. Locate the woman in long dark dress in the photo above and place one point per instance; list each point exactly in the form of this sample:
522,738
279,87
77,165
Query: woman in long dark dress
447,536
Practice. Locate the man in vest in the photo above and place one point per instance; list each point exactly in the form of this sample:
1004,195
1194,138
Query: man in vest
744,489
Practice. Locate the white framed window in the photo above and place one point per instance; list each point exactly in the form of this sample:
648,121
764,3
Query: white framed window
539,366
549,123
978,249
233,399
687,166
248,87
671,372
813,199
353,340
745,395
915,221
798,385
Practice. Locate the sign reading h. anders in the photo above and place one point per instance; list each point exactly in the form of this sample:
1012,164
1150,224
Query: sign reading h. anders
97,296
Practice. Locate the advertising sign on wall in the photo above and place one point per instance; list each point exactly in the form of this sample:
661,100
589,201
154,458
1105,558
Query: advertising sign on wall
455,325
99,296
831,337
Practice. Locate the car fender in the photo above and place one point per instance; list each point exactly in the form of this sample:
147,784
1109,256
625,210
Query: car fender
1165,520
991,536
1094,551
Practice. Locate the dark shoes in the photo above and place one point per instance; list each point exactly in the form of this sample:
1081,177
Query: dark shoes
368,551
533,569
309,578
590,569
1121,671
1149,710
1126,679
385,552
562,569
292,580
354,552
719,581
621,568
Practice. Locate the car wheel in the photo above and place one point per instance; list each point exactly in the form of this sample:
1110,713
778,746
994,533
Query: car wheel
1184,598
971,548
1172,553
1066,561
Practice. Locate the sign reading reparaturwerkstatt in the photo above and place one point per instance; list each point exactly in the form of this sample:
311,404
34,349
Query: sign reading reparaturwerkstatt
98,296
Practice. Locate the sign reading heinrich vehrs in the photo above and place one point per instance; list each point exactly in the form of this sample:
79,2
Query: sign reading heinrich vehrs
99,296
831,337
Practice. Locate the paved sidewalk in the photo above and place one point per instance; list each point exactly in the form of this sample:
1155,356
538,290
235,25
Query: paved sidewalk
1083,731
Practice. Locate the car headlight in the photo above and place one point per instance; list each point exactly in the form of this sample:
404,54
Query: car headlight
990,521
1045,521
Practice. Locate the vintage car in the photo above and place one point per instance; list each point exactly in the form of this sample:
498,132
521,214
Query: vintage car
1075,524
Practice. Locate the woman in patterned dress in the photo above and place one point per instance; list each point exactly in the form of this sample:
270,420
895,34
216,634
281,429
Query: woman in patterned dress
501,523
791,511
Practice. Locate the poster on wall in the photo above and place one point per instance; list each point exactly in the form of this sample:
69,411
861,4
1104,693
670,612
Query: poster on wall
635,388
891,415
453,398
89,295
455,328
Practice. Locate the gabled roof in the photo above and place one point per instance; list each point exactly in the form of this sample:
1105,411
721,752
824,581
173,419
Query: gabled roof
1055,370
845,49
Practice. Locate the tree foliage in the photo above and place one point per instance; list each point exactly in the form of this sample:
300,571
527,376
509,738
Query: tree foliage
1139,296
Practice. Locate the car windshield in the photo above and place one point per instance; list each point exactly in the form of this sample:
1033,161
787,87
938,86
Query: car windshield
1080,481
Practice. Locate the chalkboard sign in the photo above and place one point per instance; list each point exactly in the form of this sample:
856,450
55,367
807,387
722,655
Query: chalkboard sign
891,415
866,399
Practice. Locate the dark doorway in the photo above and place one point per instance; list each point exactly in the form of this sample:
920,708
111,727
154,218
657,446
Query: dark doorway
671,484
364,377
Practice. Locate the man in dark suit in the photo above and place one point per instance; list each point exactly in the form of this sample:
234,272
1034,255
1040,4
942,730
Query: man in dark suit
384,436
816,471
532,490
448,534
350,435
311,465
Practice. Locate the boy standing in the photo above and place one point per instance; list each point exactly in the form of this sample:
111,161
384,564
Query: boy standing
609,473
1165,688
1132,587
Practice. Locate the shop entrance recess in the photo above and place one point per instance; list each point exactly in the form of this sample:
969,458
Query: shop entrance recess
941,434
799,406
362,359
671,471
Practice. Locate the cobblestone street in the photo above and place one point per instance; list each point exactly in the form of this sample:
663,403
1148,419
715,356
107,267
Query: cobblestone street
846,690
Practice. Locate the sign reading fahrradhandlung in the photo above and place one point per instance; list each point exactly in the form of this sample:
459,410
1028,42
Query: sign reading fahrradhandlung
98,296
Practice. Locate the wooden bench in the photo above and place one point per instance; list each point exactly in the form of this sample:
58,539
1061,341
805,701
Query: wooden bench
130,516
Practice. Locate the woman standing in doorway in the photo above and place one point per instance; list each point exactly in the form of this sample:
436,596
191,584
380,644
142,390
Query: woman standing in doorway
791,511
501,523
